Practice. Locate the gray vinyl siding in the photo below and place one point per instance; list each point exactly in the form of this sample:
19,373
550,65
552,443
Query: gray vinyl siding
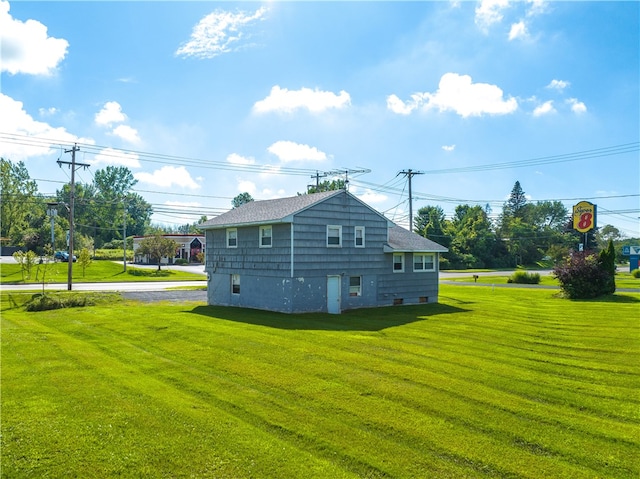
312,255
248,256
408,286
266,280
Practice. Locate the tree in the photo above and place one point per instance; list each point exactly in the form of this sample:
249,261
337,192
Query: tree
84,259
327,185
18,200
516,202
241,199
473,243
430,224
157,247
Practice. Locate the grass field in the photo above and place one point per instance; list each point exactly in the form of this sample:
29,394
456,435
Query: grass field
623,279
503,383
96,272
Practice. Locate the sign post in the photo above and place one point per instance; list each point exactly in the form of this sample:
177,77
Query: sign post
633,252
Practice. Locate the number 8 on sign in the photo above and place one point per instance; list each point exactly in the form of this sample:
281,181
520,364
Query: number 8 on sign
584,216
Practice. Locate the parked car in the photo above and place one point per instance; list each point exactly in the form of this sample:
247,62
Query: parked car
63,256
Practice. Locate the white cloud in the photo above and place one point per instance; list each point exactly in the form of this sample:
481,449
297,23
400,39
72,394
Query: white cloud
545,109
518,30
246,186
459,94
371,197
109,156
25,47
400,107
236,159
220,32
449,147
289,151
111,113
558,85
536,7
14,120
47,111
168,176
577,106
126,133
489,12
316,101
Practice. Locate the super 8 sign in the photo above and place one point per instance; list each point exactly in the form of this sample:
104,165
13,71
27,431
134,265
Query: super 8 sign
584,216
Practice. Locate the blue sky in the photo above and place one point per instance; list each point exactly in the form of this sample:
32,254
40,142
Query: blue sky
203,101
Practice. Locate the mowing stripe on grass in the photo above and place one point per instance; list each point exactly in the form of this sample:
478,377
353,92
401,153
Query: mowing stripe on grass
509,383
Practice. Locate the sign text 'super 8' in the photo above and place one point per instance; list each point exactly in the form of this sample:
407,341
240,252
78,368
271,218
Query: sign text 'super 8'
584,216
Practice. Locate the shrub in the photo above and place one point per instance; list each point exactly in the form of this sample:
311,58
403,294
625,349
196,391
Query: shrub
47,302
636,273
583,275
148,272
522,277
181,262
112,254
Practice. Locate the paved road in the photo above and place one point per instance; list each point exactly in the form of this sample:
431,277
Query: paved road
129,286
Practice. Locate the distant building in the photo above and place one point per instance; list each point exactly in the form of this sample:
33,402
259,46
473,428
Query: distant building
324,252
189,246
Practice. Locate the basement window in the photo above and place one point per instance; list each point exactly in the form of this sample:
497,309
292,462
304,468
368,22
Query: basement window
355,285
235,284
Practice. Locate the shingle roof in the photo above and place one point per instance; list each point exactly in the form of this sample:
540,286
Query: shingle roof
266,211
402,240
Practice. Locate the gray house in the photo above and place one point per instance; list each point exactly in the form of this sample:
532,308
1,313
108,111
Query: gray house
322,252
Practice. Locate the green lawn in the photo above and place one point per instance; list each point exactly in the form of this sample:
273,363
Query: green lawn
96,272
503,383
623,279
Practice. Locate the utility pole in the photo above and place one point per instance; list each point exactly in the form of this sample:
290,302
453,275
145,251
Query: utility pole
317,176
72,189
410,174
124,235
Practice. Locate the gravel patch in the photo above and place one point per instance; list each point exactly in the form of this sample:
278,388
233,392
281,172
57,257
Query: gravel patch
173,296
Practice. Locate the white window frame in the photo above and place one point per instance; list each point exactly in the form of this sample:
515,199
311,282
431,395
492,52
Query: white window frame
235,284
268,228
331,228
355,291
355,236
401,256
229,231
423,263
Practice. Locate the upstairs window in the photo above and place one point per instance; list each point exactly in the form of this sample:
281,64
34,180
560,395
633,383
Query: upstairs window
398,262
423,262
232,238
359,236
265,236
334,236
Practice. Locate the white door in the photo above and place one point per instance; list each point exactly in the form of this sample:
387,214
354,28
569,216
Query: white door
333,294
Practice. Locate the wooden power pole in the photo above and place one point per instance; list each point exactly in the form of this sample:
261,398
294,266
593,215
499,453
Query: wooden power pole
72,188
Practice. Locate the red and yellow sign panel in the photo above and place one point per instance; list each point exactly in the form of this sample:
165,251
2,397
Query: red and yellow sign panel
584,216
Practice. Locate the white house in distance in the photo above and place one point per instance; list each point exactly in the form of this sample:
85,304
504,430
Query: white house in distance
321,252
189,246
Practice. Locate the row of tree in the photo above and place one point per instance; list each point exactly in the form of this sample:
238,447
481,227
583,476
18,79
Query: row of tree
524,233
104,210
